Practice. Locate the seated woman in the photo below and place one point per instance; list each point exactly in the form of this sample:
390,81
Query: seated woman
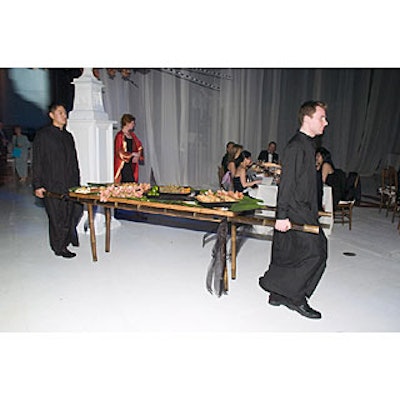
329,175
242,162
227,182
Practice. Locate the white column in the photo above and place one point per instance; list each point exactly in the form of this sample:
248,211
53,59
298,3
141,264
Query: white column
94,139
92,130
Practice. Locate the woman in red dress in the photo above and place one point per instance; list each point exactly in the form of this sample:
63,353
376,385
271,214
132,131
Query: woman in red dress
128,152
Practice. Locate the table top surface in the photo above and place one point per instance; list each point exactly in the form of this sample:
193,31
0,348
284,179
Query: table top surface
114,202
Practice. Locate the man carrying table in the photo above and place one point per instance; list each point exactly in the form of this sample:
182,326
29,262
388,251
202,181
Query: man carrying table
298,259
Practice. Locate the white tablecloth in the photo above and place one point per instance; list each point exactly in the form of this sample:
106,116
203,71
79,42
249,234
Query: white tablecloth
268,193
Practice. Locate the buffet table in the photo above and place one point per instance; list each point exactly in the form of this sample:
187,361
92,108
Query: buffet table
161,208
218,215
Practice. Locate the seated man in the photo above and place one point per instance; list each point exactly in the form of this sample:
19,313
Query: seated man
270,154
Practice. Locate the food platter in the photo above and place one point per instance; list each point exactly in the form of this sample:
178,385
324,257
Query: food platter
86,189
220,198
171,192
175,189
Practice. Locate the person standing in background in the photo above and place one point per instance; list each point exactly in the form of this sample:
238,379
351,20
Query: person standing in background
3,143
128,152
21,147
55,169
298,259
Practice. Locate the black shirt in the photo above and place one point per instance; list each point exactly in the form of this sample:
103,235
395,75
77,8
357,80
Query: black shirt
54,161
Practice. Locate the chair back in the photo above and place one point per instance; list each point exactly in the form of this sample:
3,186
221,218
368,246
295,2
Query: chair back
220,174
389,188
389,178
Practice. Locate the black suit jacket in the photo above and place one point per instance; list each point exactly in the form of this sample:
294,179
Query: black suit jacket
263,156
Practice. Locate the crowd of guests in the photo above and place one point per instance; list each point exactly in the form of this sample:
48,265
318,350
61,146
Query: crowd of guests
236,163
237,175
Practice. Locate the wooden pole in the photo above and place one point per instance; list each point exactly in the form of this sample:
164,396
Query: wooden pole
259,220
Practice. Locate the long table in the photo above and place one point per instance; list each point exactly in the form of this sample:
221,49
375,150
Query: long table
198,213
189,211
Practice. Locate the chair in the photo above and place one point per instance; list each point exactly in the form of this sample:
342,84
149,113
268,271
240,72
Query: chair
388,189
220,174
344,211
396,208
344,208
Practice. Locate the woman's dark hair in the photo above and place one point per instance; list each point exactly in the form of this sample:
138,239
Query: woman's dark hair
325,154
244,154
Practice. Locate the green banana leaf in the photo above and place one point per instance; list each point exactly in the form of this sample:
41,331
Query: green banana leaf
247,204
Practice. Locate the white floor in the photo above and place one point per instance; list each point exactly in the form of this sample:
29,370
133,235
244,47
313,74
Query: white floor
153,281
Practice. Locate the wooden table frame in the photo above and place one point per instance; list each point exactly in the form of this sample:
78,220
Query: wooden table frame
160,208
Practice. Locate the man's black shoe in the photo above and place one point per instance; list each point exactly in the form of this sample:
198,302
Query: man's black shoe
303,309
275,300
65,253
306,311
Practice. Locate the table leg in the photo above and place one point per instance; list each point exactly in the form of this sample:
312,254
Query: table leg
233,250
92,232
226,280
107,212
223,257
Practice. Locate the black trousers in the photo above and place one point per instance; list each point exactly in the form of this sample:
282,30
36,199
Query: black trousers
298,260
64,215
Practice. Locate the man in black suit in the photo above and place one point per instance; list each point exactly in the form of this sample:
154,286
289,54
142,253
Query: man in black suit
56,169
270,154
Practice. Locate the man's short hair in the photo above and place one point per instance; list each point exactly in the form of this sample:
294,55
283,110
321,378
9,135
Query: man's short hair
309,108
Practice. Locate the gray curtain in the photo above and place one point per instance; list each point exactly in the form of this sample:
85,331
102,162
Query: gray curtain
185,125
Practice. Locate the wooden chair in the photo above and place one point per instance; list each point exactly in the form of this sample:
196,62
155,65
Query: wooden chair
344,212
388,189
220,174
396,210
344,209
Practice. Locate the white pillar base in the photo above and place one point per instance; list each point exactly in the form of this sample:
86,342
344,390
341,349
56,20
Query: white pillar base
99,223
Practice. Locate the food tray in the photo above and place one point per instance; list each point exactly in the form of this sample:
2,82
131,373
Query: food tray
85,190
183,190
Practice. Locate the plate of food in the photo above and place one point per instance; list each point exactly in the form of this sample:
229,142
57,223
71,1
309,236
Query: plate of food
219,198
86,189
175,189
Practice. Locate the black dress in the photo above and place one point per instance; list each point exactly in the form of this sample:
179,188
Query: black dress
298,259
337,181
237,184
127,170
55,167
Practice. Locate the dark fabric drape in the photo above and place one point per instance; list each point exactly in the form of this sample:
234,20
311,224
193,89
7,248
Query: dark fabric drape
185,126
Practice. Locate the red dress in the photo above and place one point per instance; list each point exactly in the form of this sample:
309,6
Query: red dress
120,146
